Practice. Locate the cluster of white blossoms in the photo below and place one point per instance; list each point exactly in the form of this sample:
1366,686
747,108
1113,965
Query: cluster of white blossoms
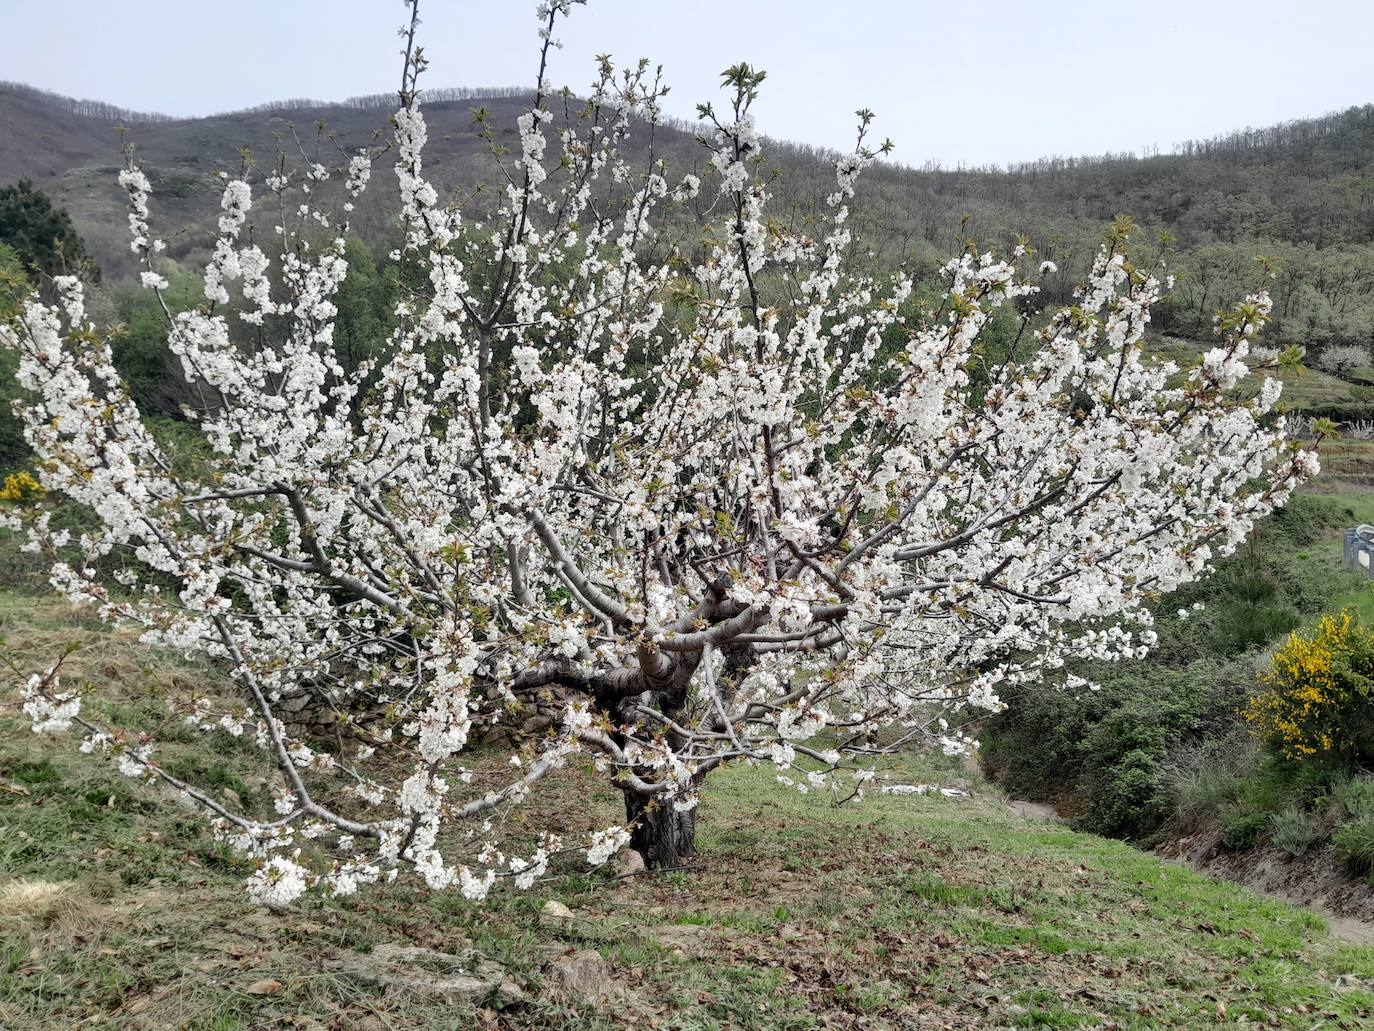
606,843
720,498
50,711
278,882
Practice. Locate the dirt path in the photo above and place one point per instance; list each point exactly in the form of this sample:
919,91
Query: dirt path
1349,929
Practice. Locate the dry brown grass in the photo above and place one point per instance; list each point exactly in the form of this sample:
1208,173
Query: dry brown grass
38,629
28,903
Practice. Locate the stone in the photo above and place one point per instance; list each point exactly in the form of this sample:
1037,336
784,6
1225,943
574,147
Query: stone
536,724
294,703
555,916
431,975
586,974
627,863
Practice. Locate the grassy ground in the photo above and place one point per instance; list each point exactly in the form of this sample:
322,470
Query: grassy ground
118,910
1301,388
1347,465
1347,470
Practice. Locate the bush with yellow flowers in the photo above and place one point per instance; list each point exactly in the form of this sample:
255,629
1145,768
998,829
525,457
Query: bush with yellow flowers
1316,699
21,486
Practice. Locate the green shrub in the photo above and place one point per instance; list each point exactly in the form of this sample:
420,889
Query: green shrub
1294,830
1356,797
1112,746
1354,842
1242,827
1242,626
1253,612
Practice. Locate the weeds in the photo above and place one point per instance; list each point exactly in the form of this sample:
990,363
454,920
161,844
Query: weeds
1356,797
1294,830
1242,827
1354,842
1199,794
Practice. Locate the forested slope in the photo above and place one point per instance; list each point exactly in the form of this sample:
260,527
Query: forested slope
1300,194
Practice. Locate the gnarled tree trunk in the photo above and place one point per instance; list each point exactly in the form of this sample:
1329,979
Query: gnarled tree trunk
661,834
658,832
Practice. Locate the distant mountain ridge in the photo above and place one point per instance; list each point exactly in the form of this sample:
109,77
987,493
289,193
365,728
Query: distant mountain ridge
1303,183
72,149
103,111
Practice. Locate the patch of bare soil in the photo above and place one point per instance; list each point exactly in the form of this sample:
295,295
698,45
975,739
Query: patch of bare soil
1318,880
440,976
1034,810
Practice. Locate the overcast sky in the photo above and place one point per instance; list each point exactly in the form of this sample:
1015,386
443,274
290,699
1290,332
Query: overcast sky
972,81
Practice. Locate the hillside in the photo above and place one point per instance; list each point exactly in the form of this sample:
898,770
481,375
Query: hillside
1302,192
75,155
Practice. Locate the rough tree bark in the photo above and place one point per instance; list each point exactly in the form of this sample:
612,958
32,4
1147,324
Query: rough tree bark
658,832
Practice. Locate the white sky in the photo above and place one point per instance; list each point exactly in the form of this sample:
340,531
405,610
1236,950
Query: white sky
970,81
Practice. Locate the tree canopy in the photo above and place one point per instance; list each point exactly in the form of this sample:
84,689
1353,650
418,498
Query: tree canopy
42,235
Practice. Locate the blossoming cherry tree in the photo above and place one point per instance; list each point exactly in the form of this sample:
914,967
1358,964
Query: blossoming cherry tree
715,492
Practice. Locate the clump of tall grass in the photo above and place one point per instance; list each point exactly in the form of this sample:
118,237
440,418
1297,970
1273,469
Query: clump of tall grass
1294,830
1200,793
1205,783
1354,842
1355,797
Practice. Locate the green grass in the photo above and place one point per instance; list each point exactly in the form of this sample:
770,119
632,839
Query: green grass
1355,797
1335,504
1348,465
899,912
1302,388
1309,387
1340,505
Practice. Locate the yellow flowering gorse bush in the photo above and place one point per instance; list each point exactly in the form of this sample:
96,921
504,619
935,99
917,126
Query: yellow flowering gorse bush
1314,698
21,486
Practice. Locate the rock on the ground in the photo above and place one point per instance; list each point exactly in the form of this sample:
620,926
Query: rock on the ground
586,974
554,916
627,863
429,974
1034,810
